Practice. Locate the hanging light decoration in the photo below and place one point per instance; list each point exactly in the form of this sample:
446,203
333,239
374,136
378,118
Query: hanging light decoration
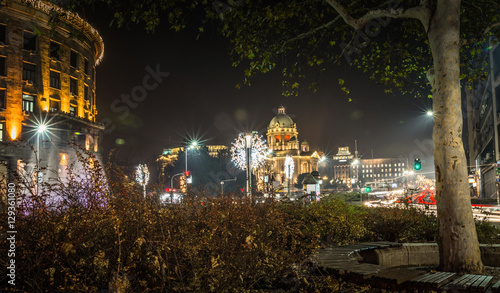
289,167
258,151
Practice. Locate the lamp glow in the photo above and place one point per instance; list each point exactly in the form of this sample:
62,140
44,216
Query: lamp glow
258,150
41,128
289,167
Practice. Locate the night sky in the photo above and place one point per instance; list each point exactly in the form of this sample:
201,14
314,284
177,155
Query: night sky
199,99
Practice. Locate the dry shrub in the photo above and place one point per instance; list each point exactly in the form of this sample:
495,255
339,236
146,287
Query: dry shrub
103,234
405,224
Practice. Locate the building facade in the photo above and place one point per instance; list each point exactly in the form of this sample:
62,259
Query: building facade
47,77
342,169
283,142
170,155
481,139
392,170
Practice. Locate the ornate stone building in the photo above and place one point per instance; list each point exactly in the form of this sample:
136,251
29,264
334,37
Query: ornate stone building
342,171
282,139
47,77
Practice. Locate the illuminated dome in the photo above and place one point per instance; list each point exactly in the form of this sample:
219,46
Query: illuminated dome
282,119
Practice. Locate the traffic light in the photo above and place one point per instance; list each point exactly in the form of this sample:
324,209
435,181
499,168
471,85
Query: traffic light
417,165
368,189
189,179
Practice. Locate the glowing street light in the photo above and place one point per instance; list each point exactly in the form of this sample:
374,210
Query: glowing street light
430,113
248,152
40,130
193,145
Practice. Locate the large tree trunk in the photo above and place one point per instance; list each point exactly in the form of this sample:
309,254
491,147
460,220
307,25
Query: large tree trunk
458,244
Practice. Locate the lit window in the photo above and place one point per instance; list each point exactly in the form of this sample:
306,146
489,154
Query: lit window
28,103
54,105
64,159
29,71
73,107
55,80
1,131
29,41
74,59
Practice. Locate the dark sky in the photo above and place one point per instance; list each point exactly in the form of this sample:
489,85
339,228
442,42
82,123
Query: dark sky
199,99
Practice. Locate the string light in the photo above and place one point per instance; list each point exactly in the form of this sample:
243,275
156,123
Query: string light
142,176
289,167
258,151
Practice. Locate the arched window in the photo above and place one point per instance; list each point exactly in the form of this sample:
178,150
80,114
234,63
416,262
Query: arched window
55,103
73,107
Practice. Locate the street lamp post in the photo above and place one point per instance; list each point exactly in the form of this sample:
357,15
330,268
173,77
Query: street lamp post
222,184
191,146
172,186
41,128
248,149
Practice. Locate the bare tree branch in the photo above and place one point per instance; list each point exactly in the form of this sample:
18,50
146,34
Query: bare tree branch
491,27
311,32
421,12
465,42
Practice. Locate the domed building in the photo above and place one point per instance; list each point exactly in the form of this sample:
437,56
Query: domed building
282,139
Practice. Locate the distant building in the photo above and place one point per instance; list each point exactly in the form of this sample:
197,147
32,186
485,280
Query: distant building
170,155
481,140
356,172
342,169
282,139
392,170
46,74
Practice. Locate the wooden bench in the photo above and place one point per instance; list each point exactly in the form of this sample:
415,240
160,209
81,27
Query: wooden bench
432,281
470,283
496,287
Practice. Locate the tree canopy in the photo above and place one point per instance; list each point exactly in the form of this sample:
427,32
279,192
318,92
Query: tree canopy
384,39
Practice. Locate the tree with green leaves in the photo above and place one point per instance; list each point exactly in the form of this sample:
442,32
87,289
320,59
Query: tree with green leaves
419,47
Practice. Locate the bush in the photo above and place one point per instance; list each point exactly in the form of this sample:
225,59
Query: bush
331,221
486,232
400,225
103,234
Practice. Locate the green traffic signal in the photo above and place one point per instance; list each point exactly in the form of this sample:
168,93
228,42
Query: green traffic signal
368,189
417,165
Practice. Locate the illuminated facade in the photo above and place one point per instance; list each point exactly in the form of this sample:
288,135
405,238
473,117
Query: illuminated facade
47,76
342,165
393,170
170,156
282,139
